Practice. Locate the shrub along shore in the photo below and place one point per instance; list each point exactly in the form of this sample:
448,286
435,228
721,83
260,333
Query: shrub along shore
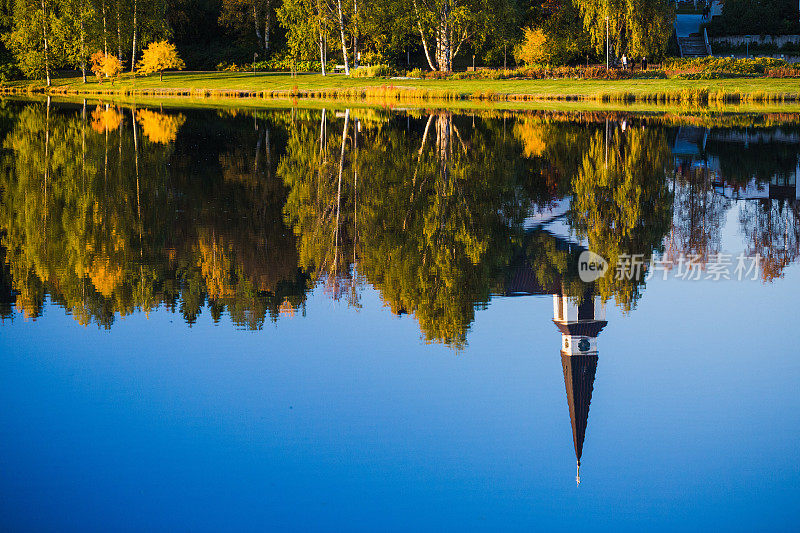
641,88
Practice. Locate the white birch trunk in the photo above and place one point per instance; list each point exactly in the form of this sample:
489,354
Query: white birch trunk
355,34
105,30
424,39
133,48
344,40
119,33
46,47
267,23
83,45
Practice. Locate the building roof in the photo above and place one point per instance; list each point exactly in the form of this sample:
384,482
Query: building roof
522,281
579,372
581,328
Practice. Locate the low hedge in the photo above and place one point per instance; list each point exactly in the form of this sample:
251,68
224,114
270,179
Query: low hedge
372,71
723,65
544,72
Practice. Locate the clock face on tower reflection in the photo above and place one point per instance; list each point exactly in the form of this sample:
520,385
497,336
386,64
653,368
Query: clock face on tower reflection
583,345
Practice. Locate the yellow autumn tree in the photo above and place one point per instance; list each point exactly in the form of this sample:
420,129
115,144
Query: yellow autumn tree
159,127
217,266
532,48
105,65
105,276
531,132
158,57
105,119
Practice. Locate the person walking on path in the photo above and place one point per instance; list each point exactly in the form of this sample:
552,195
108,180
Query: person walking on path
624,62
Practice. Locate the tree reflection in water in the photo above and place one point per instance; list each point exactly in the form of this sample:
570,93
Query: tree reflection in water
772,230
112,222
110,210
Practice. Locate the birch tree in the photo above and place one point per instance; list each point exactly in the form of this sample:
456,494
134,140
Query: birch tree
444,26
340,19
30,38
75,30
308,28
638,28
250,17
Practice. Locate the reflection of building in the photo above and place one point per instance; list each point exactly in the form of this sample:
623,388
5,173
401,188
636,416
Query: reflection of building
580,320
777,188
749,164
580,323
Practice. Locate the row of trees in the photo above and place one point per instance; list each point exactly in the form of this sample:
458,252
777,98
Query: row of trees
554,31
757,17
385,29
434,34
110,211
569,31
46,34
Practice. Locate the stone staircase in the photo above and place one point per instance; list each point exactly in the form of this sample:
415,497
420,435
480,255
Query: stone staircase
693,46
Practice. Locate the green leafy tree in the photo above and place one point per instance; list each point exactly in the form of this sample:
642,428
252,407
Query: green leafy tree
622,205
444,26
31,37
74,32
638,28
567,39
387,31
308,29
250,18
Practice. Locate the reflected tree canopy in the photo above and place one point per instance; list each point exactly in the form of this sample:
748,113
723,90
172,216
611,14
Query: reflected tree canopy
108,221
109,210
772,230
440,220
429,213
622,204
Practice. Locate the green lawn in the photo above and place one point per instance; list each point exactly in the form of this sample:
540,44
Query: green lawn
219,82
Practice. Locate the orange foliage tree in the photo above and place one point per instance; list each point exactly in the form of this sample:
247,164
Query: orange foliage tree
105,65
105,119
160,127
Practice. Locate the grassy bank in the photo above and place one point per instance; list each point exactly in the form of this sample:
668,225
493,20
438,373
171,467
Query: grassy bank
280,85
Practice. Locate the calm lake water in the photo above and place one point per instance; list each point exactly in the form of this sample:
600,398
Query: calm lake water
370,319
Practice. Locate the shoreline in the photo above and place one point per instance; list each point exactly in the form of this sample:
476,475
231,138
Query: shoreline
739,115
270,86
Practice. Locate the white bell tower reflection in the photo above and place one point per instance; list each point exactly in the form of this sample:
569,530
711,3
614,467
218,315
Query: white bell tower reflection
579,323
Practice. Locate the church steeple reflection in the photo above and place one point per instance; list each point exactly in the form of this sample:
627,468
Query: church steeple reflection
580,322
578,313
